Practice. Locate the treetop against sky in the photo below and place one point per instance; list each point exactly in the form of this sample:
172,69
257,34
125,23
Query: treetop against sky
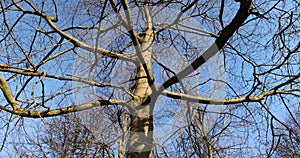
206,66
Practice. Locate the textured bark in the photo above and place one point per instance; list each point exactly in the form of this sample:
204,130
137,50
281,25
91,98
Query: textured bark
141,137
140,143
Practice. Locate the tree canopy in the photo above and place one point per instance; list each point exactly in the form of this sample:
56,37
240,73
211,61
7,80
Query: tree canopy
108,78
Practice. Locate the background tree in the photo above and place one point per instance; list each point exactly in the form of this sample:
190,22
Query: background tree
62,137
138,64
289,142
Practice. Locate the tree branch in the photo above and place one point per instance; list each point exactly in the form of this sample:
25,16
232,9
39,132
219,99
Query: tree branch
242,14
66,110
219,101
7,94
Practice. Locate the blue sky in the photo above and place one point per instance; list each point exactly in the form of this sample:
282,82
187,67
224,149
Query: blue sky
259,50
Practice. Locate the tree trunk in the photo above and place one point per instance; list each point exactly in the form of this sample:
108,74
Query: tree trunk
140,142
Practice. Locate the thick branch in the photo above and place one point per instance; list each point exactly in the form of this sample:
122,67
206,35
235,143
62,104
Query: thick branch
76,42
17,110
7,94
225,35
66,110
84,46
218,101
30,72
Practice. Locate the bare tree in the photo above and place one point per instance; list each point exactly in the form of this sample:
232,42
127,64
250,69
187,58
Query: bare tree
147,62
288,142
62,137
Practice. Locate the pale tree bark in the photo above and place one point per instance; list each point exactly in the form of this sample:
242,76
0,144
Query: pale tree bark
141,142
